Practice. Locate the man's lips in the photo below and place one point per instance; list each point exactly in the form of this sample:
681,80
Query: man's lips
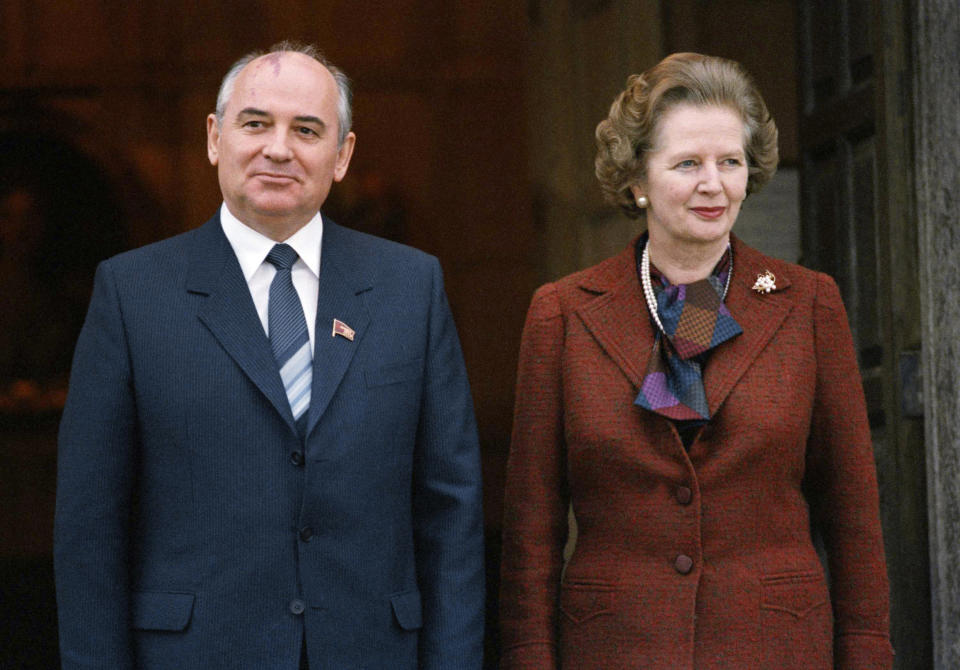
708,212
276,177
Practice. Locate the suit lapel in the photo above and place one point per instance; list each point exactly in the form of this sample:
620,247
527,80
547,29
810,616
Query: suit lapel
229,313
339,298
618,319
759,314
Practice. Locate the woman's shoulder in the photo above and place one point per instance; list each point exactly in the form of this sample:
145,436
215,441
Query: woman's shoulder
802,281
573,290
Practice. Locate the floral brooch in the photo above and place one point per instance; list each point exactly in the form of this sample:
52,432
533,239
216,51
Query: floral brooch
766,282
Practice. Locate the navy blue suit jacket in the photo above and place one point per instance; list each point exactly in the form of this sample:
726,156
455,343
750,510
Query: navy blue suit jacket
194,528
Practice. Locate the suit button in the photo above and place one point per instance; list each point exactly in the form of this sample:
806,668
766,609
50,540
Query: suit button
297,606
296,458
683,564
306,533
684,495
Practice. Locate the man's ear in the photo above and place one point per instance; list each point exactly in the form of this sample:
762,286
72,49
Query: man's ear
213,139
343,156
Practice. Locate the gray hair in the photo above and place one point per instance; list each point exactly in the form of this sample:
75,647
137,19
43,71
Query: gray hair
344,97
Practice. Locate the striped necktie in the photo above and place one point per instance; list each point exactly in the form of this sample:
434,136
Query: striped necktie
288,334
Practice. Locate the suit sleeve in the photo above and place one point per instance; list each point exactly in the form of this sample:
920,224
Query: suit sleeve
447,504
844,495
536,499
95,470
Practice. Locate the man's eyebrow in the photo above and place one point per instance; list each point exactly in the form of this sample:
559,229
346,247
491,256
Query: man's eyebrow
306,118
302,118
252,111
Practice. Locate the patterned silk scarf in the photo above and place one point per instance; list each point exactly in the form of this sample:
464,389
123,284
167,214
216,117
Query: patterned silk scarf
695,320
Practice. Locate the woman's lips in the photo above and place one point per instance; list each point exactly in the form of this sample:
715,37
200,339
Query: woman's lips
708,212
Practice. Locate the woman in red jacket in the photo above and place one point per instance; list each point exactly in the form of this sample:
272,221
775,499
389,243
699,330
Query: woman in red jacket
697,406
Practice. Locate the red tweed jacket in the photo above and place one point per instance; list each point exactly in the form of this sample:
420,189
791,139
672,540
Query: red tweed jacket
699,559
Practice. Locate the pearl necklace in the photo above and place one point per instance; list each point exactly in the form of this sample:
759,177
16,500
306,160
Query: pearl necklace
648,285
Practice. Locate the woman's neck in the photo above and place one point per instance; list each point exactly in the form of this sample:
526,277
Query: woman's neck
684,263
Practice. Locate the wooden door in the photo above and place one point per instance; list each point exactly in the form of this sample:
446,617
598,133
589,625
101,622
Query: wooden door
857,225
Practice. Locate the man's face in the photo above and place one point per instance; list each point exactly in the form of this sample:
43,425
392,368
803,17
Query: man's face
276,148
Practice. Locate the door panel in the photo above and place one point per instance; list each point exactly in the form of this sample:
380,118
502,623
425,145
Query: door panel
856,217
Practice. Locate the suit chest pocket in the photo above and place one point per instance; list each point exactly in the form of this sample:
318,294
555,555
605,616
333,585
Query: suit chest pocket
393,372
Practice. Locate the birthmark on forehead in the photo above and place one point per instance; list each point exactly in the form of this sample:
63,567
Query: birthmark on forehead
273,60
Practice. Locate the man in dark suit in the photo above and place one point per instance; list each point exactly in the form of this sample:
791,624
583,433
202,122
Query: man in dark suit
268,457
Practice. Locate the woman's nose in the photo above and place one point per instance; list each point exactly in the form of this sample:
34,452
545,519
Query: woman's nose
709,179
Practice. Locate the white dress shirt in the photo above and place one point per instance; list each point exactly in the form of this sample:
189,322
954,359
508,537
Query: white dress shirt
252,248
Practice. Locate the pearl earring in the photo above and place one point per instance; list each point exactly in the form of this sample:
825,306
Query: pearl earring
642,201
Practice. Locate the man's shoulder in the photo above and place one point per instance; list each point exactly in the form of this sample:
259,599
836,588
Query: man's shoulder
353,249
171,250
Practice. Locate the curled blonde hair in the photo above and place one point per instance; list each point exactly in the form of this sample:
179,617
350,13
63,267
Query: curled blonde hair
627,134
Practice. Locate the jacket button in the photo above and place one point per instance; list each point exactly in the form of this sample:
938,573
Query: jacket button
683,564
296,458
297,606
306,533
684,495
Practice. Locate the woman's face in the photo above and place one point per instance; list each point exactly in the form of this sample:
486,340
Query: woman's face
696,176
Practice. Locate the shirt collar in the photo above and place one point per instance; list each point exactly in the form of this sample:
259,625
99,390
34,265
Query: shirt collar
252,247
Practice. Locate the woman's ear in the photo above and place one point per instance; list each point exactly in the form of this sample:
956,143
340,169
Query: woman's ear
638,195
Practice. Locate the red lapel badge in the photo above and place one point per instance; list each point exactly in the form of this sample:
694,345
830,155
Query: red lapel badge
342,329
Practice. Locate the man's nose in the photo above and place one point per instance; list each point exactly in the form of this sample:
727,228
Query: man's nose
277,147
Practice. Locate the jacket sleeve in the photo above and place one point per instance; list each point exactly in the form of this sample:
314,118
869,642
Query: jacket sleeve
447,504
536,499
843,490
95,470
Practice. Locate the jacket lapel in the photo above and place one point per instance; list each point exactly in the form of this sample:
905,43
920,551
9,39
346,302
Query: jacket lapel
229,313
759,314
618,318
340,297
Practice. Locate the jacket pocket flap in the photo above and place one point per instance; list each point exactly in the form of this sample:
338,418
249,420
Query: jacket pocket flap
581,601
161,610
407,609
795,594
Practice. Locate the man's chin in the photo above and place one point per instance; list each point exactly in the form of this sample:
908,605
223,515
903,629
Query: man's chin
275,220
277,208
